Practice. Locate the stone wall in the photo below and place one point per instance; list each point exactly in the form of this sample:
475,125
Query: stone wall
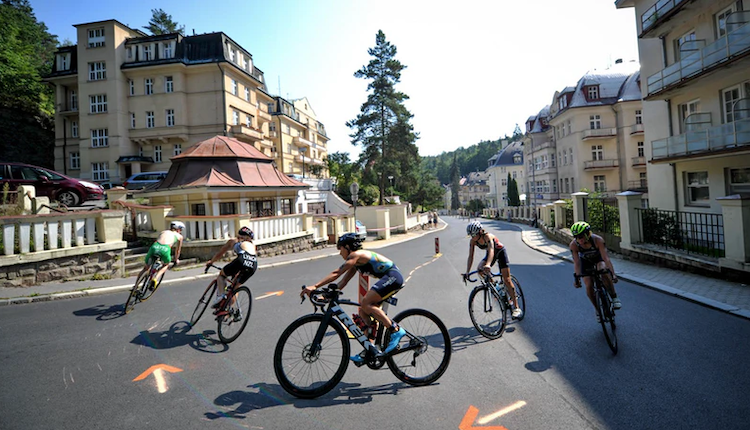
96,265
205,250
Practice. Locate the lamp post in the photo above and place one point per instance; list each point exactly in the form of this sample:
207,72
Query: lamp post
302,153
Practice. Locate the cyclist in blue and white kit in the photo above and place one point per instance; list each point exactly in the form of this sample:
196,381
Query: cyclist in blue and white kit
372,264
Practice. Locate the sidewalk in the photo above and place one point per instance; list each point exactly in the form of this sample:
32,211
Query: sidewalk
72,289
726,296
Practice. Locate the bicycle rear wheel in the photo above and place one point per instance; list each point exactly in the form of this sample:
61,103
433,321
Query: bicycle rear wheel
303,373
203,303
238,305
519,296
135,292
425,352
607,316
487,312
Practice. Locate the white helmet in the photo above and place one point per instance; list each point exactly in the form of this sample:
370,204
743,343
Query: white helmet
177,225
473,228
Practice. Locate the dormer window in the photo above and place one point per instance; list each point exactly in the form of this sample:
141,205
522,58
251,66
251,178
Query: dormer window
96,37
592,92
562,102
148,53
63,61
517,158
168,53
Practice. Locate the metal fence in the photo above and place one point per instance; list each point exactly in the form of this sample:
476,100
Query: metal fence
569,220
603,214
691,232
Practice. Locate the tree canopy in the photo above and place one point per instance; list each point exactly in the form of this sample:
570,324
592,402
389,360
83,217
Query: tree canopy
161,23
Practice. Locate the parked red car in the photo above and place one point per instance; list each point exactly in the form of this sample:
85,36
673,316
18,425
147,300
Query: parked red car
66,190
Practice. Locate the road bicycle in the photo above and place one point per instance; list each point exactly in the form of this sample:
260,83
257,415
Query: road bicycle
142,290
233,311
312,354
490,306
604,307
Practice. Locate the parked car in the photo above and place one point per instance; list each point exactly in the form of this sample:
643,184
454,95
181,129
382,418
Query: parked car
143,180
48,183
361,230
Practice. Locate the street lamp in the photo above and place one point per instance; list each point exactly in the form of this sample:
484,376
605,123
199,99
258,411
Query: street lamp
302,151
390,178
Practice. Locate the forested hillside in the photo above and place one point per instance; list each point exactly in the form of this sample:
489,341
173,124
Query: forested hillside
471,159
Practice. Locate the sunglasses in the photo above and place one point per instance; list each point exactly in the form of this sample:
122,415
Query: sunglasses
580,236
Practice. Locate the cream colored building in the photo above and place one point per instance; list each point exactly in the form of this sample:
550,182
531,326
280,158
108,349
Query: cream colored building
597,132
508,161
474,186
695,66
541,167
299,139
128,102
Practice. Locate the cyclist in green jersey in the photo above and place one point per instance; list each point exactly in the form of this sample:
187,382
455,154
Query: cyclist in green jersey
162,249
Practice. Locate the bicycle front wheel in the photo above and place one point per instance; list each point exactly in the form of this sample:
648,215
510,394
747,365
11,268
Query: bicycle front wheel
306,370
146,291
487,312
203,303
238,305
425,351
135,292
519,296
607,317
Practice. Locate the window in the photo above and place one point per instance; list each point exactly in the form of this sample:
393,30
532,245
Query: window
247,93
231,54
167,49
75,160
567,190
688,109
593,92
597,152
638,117
730,97
148,53
504,182
170,117
62,61
235,117
513,174
565,158
248,121
168,84
738,181
286,207
234,87
554,185
687,37
572,185
562,102
643,179
150,119
198,209
100,171
140,151
98,103
97,71
552,160
157,154
595,122
641,152
600,183
517,158
177,149
696,192
149,85
129,53
131,87
96,37
73,100
132,120
74,129
99,138
570,127
227,208
720,21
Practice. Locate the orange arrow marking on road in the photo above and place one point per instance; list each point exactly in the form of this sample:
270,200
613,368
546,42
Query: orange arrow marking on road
468,422
273,293
158,371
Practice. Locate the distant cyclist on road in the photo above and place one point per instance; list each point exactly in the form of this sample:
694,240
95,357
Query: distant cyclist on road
244,265
495,253
368,263
589,255
162,249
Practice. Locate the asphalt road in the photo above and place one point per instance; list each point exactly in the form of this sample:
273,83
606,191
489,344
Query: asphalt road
74,364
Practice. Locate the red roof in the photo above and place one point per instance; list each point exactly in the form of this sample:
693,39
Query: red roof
223,147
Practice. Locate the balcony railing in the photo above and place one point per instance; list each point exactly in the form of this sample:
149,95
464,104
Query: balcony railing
601,164
301,141
701,59
658,10
543,145
599,133
639,185
639,161
726,136
636,128
247,133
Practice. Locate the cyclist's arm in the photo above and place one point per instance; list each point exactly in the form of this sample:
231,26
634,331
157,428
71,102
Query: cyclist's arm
348,265
490,250
179,249
471,256
227,246
576,260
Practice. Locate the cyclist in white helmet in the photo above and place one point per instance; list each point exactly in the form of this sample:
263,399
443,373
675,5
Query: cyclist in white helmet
162,249
495,253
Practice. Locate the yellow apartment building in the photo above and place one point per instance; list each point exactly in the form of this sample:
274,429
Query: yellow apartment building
541,166
127,102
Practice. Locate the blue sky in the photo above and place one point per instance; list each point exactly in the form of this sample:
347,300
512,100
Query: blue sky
475,68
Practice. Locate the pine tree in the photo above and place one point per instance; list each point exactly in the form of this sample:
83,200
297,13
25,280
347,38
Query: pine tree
513,196
383,126
455,184
161,23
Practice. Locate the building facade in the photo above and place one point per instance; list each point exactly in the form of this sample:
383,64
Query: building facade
127,102
541,155
508,161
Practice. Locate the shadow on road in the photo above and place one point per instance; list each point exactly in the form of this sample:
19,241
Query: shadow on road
177,336
101,312
464,337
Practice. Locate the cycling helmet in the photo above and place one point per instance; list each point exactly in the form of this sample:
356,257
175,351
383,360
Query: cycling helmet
245,231
351,240
580,228
177,225
473,228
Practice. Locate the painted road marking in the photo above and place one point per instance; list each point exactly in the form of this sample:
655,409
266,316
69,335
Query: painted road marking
501,412
158,371
271,294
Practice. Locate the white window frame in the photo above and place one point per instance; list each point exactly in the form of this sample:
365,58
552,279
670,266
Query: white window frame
595,122
235,117
168,49
132,120
148,86
74,129
97,71
168,84
687,109
720,21
157,154
96,37
697,183
638,116
727,103
177,149
73,100
169,117
98,103
247,93
248,121
150,119
597,152
600,183
100,171
131,87
687,37
74,160
592,92
148,52
99,138
641,149
234,87
743,174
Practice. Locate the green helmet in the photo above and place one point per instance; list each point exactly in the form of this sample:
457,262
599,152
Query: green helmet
579,228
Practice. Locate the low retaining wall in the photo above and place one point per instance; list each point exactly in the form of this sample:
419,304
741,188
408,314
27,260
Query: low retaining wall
95,265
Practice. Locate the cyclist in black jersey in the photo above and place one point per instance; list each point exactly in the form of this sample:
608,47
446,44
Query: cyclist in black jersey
244,265
373,264
590,254
495,253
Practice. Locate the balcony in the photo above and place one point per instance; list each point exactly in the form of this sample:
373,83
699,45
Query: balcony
67,110
247,134
301,141
543,145
263,116
710,142
658,13
639,161
601,164
157,135
636,129
599,133
698,60
639,185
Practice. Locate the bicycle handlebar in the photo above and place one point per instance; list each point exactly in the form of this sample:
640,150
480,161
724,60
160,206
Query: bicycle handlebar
470,279
208,266
596,272
321,296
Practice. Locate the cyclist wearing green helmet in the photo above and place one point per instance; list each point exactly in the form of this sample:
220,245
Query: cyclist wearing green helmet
589,254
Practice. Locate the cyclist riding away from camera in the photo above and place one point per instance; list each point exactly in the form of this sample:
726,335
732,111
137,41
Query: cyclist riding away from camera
373,264
244,265
162,249
496,252
590,254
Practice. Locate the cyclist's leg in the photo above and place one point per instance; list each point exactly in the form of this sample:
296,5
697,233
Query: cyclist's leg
607,278
501,257
150,255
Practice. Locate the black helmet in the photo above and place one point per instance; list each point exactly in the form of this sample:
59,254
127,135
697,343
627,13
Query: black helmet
245,231
351,240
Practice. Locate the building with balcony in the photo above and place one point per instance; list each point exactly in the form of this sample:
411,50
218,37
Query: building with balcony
474,186
508,162
541,154
595,138
695,57
299,139
127,102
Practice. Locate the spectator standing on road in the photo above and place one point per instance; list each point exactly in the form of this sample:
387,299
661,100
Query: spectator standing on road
162,249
